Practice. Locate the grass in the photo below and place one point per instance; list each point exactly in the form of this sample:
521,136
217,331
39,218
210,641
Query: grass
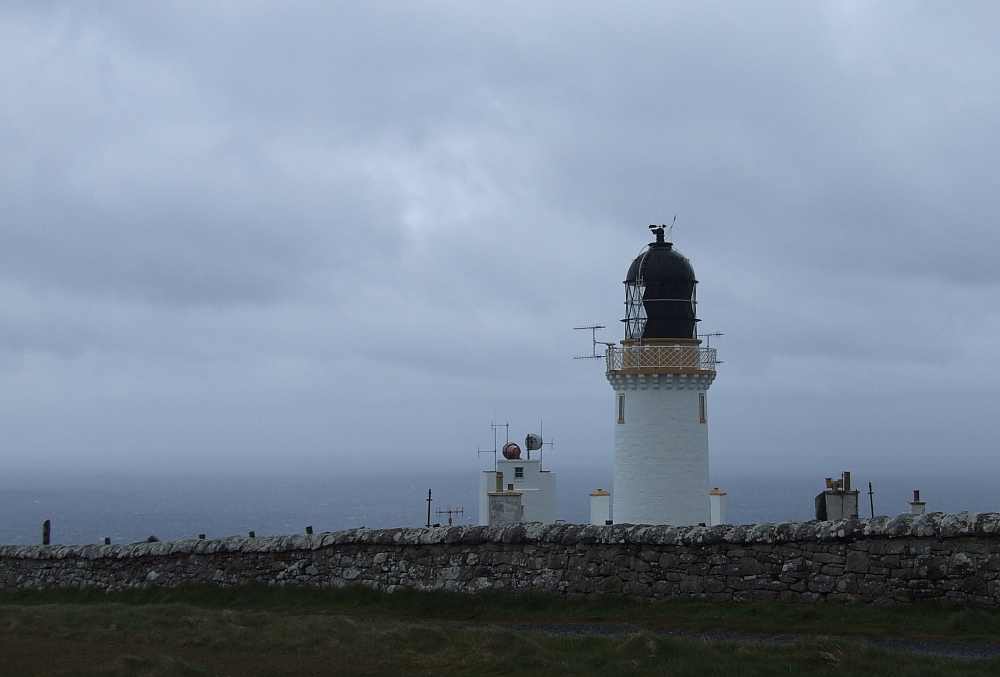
261,631
920,621
153,640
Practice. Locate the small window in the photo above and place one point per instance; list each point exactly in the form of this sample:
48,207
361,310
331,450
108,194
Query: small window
702,408
621,407
518,473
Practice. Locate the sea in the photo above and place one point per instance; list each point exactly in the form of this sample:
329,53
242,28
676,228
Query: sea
129,508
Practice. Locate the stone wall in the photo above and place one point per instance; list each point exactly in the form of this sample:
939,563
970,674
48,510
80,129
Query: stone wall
909,558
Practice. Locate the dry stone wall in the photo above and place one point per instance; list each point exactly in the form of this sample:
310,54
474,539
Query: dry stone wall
905,559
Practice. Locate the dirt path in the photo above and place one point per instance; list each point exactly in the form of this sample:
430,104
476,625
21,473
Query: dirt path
935,648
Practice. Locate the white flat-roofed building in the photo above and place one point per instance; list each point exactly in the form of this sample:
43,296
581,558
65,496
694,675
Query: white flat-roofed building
537,488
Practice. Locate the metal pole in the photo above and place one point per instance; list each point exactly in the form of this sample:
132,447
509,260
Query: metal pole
428,508
46,532
871,499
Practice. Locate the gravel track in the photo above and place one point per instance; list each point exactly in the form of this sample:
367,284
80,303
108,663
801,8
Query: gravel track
937,649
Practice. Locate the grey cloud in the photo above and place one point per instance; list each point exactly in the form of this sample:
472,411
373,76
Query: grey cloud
245,233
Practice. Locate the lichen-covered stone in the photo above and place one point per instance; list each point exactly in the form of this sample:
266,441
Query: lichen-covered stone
907,558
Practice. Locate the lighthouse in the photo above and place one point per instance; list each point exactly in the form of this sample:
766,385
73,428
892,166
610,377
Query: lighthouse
661,374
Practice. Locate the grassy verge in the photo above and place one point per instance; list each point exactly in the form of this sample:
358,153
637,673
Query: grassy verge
923,621
167,640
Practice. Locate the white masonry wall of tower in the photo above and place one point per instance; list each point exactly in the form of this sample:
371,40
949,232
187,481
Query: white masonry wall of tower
661,433
537,487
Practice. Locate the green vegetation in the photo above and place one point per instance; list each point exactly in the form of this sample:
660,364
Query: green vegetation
177,639
297,631
921,621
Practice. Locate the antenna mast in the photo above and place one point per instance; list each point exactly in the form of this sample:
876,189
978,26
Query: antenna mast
708,337
449,512
542,444
494,425
594,343
670,229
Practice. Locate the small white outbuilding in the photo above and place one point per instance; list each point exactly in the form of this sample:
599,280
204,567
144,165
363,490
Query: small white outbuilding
536,486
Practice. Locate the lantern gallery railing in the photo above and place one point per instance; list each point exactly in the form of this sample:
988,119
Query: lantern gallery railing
666,357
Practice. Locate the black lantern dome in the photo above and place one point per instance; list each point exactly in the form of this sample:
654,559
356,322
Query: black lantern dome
660,300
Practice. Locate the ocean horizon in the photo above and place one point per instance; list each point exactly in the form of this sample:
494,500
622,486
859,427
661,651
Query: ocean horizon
86,508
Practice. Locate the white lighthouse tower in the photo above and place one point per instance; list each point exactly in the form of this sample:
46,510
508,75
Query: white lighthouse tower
661,375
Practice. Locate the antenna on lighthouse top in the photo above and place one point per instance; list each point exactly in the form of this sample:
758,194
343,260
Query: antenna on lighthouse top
594,342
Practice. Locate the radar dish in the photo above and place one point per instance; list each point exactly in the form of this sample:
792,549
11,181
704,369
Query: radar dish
533,442
511,451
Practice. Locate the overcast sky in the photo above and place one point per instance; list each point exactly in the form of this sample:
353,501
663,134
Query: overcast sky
312,237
